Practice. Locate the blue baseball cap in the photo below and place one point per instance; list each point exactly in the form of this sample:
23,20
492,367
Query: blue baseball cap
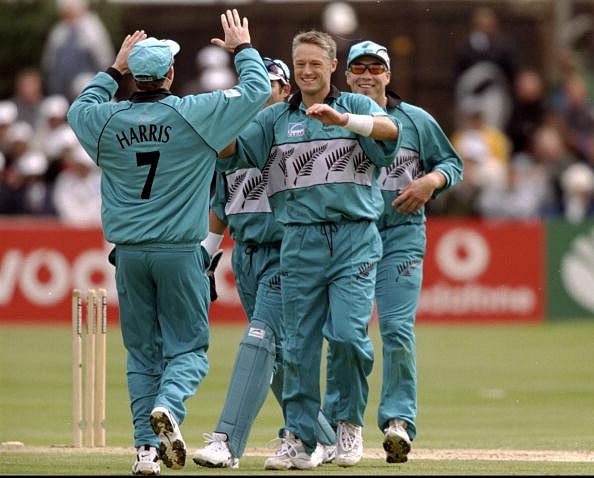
369,48
150,59
277,70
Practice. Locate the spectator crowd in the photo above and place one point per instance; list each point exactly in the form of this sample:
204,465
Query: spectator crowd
527,143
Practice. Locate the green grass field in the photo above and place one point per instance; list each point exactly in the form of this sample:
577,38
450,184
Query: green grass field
490,389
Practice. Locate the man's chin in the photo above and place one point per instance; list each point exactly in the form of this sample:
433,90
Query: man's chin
309,88
364,91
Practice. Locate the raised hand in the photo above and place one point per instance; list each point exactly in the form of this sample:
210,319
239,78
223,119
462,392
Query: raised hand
121,61
235,29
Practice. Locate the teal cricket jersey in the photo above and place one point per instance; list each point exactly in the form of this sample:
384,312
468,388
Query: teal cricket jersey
240,201
317,173
157,151
424,148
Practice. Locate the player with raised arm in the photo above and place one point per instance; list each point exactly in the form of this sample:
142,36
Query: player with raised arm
321,153
157,155
240,203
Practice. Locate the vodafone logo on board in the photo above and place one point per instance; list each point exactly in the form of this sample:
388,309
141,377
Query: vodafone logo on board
463,254
470,272
45,276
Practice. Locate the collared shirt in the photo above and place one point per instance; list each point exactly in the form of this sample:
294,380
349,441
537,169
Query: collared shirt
316,173
157,151
424,148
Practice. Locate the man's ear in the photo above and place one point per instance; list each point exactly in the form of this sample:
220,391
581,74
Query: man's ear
334,65
286,91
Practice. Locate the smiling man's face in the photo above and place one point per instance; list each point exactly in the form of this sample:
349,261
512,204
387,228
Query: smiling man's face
372,81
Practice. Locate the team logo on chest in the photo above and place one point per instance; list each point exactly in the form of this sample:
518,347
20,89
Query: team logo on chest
296,129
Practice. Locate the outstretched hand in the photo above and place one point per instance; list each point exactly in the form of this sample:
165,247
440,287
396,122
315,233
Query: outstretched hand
326,114
235,29
121,61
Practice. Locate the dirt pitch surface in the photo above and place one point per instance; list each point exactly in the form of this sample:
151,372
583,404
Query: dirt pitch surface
415,454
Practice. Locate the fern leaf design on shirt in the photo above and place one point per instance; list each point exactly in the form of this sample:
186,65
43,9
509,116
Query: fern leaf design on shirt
338,160
396,169
362,163
282,162
304,164
237,182
253,189
279,157
266,173
272,156
416,171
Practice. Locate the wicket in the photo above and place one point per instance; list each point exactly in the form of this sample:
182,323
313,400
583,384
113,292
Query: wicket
88,421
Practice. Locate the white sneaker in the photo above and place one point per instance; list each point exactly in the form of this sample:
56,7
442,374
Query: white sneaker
216,453
147,461
317,457
281,459
396,442
329,453
172,449
349,444
299,457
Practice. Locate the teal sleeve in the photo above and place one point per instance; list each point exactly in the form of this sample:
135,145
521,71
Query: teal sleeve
253,143
439,154
237,161
381,153
220,115
85,118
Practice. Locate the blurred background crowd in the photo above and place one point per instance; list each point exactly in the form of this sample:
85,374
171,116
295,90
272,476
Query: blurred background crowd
526,135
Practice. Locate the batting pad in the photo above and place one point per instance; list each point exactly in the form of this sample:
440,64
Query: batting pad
249,385
276,385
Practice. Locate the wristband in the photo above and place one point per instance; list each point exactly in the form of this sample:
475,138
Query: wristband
360,124
241,47
212,243
115,74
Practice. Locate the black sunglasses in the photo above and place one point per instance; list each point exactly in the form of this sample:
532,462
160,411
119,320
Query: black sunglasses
374,68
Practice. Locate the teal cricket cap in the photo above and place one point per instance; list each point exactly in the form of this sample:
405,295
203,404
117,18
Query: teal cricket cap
369,48
150,59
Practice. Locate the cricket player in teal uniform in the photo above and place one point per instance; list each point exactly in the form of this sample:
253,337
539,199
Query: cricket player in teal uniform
426,164
157,154
321,154
240,203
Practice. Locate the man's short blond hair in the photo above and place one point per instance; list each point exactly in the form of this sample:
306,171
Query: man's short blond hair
315,37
